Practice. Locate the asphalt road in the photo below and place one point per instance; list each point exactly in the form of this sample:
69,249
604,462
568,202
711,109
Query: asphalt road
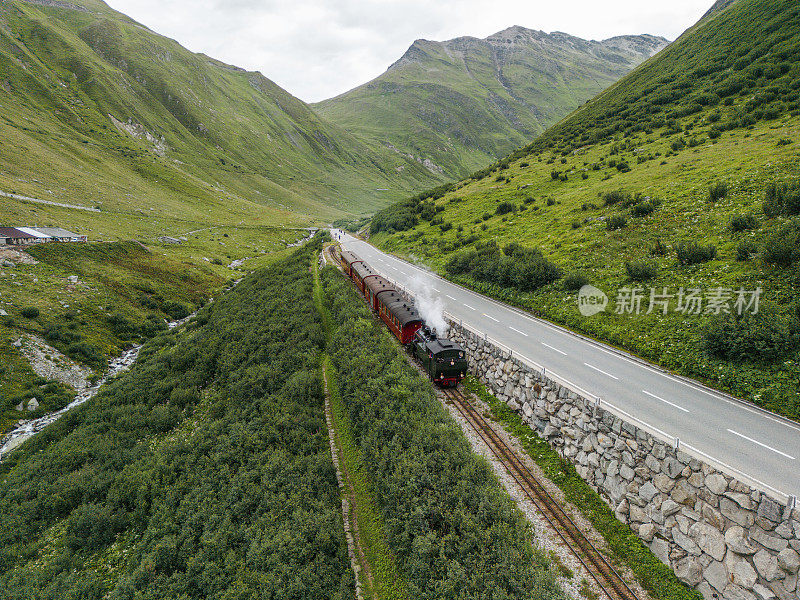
756,446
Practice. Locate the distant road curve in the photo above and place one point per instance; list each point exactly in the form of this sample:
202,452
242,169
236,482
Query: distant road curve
50,202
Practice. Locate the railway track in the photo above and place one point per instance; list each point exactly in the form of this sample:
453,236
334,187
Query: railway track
592,559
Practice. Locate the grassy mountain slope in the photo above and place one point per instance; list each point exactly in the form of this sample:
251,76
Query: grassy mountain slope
698,145
465,102
98,110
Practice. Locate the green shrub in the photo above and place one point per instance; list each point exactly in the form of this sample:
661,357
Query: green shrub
641,271
505,208
29,312
717,191
524,269
246,496
642,209
765,336
397,217
692,253
743,223
615,197
782,248
616,222
176,310
782,199
575,281
550,201
746,250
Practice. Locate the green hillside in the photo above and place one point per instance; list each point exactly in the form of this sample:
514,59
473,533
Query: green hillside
463,103
98,110
682,175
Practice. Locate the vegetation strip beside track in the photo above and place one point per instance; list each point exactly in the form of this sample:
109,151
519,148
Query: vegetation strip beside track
381,579
652,574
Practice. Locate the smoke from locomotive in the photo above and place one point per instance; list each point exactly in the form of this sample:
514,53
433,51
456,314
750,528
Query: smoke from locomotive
430,307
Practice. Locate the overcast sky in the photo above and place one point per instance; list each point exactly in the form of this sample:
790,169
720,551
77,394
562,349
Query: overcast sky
317,49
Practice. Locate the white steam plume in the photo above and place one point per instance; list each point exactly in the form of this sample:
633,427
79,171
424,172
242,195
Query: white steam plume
430,306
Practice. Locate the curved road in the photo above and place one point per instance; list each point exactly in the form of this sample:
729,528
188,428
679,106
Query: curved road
756,446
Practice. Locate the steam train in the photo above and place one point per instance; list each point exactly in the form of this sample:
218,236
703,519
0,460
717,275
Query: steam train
444,361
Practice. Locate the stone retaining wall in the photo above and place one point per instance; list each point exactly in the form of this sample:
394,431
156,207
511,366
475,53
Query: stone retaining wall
723,537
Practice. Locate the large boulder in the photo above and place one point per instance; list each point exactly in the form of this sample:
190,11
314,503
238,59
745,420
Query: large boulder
741,573
767,565
709,539
789,560
737,539
689,571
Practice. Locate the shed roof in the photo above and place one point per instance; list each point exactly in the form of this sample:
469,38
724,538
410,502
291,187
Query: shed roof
13,232
34,233
56,232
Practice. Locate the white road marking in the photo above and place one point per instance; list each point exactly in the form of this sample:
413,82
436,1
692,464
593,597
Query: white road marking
518,331
449,296
734,469
434,289
403,272
556,349
469,307
490,317
665,401
601,371
760,444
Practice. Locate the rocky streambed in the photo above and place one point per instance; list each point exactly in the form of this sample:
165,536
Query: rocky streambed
85,391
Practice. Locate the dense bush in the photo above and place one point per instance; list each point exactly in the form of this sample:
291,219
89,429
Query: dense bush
642,209
455,532
764,336
659,248
176,310
782,199
29,312
746,250
524,269
641,271
692,253
207,466
575,281
717,191
616,222
504,208
743,223
397,217
782,248
615,197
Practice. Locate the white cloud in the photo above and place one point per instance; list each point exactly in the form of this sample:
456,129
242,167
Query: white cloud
319,48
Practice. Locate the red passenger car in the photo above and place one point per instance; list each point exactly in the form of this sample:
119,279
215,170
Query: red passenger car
349,259
398,313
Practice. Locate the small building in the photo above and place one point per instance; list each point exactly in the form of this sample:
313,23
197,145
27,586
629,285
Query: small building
61,235
12,236
38,237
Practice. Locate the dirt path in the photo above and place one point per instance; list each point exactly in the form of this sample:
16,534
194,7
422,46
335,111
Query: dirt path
355,546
